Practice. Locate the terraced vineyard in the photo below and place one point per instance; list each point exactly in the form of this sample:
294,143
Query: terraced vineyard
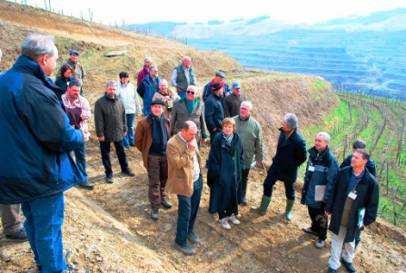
381,123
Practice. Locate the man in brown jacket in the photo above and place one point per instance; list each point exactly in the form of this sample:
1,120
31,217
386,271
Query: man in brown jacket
151,137
185,180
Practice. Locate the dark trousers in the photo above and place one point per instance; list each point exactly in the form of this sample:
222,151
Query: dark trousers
105,153
80,158
319,221
157,176
270,180
187,212
11,219
43,225
129,137
242,190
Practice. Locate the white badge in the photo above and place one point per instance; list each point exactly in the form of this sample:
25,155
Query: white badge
352,195
311,169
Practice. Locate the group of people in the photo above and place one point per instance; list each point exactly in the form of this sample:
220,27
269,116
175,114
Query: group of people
44,128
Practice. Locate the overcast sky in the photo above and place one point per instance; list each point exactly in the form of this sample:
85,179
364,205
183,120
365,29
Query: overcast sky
136,11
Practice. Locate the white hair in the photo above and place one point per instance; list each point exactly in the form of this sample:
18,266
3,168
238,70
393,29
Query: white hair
247,103
35,45
147,59
162,82
325,136
291,120
111,83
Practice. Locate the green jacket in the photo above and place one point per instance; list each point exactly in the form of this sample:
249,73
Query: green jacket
250,133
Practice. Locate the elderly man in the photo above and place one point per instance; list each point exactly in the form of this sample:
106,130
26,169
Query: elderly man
151,137
352,203
183,76
36,139
111,126
290,154
10,215
78,110
250,132
132,105
148,87
214,111
219,78
144,71
167,96
189,108
185,180
321,170
73,61
233,101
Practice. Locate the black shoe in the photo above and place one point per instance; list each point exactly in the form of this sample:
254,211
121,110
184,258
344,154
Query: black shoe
187,250
109,179
310,231
348,266
155,214
193,238
88,187
18,236
166,204
128,173
330,270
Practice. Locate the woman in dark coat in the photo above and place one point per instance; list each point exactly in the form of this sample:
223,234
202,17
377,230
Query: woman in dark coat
224,173
65,73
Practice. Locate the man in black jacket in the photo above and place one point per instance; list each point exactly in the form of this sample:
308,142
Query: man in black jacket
360,144
111,126
290,154
214,111
353,204
321,170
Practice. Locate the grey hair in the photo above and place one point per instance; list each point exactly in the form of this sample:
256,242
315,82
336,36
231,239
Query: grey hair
111,83
247,103
35,45
325,136
188,124
147,59
291,120
162,81
186,58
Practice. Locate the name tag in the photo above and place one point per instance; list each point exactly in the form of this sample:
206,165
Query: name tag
311,169
352,195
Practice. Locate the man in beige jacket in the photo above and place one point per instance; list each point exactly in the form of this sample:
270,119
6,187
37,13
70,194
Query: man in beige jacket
185,180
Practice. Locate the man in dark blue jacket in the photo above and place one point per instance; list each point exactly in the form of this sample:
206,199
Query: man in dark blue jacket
214,111
360,144
148,87
352,204
290,154
36,138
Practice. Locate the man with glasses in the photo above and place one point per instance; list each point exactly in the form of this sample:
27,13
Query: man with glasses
189,108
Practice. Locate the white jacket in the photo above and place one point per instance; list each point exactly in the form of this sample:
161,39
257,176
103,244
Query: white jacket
130,98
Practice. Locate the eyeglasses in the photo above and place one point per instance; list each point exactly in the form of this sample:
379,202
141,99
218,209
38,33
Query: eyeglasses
190,92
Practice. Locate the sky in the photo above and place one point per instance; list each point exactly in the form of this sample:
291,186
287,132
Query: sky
289,11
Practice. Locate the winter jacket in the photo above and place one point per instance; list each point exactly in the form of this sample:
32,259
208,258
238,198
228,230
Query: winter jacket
213,113
130,98
36,136
370,165
146,90
232,105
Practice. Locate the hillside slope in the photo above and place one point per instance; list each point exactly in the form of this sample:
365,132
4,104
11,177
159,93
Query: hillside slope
108,229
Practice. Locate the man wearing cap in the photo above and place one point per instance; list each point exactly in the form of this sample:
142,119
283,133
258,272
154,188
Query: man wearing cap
219,78
214,111
183,76
132,105
111,126
144,71
78,110
151,137
233,101
73,61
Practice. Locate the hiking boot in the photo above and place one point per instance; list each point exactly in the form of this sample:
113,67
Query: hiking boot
187,249
166,204
319,244
109,179
88,187
288,212
193,238
310,231
348,266
234,220
263,207
330,270
18,236
224,223
154,214
128,173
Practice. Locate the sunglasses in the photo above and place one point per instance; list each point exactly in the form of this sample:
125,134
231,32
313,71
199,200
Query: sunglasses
190,92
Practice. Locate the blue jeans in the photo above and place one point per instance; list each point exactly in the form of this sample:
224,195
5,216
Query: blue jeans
187,212
43,225
80,157
129,138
